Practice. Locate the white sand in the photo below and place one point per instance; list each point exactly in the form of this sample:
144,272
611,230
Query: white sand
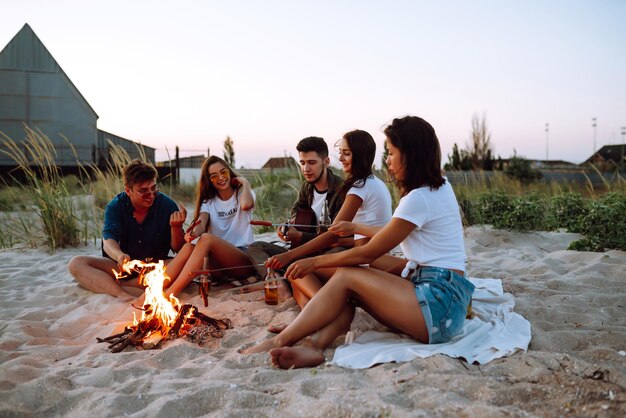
51,364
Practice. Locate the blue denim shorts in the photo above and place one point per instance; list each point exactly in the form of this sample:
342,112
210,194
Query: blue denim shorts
443,296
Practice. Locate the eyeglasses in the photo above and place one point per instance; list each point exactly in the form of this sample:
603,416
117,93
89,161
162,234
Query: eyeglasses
147,193
215,177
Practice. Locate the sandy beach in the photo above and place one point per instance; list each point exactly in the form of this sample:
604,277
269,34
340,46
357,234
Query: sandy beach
51,364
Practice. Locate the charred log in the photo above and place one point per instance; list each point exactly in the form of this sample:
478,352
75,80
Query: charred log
151,333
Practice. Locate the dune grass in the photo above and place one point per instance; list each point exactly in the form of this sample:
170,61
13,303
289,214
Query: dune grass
48,209
53,205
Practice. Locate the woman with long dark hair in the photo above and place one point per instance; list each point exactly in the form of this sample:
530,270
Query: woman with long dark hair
428,301
224,203
367,201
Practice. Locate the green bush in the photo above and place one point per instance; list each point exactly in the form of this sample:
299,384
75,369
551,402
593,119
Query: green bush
566,209
492,207
604,224
527,213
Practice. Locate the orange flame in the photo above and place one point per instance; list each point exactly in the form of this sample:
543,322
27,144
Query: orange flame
156,304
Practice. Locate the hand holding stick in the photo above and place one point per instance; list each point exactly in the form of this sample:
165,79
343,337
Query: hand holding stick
192,226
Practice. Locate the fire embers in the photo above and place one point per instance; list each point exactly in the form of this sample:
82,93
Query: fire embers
190,324
163,318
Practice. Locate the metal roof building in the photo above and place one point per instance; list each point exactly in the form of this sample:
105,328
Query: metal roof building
34,90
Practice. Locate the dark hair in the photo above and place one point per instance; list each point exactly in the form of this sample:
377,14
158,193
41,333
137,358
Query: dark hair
137,172
313,143
206,190
421,154
363,150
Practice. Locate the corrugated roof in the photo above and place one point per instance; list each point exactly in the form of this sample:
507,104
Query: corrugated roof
26,52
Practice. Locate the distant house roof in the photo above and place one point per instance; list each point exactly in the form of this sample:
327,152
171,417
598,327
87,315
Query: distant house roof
542,164
615,153
280,162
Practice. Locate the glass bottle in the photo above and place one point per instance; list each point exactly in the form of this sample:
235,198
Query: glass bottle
324,221
271,287
205,282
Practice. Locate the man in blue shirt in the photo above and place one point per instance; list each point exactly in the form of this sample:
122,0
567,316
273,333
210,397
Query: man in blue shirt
139,223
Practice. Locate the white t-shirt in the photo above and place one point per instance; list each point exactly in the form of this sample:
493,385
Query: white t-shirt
437,239
318,202
228,221
376,206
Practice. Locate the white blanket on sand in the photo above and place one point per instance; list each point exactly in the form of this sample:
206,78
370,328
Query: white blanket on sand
494,332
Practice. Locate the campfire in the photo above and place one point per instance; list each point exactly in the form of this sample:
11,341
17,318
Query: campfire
162,318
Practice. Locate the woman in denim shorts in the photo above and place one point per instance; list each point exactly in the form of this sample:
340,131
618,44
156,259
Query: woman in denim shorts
424,296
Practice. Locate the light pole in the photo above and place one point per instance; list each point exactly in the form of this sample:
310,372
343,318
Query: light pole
594,124
547,139
623,134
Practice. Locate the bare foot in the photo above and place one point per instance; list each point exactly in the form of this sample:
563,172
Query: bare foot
261,347
296,357
276,329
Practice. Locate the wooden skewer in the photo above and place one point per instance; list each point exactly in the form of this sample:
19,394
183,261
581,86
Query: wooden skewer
268,223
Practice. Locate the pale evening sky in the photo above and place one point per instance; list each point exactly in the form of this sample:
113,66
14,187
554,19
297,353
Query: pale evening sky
269,73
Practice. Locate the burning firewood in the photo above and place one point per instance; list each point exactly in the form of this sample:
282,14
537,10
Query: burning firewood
163,318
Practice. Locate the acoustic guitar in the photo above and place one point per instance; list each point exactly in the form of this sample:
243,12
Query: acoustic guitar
304,216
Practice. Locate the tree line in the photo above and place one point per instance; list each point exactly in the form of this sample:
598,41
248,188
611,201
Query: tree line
478,155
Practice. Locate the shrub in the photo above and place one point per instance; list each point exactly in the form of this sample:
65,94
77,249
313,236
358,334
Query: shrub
567,208
492,206
527,213
604,224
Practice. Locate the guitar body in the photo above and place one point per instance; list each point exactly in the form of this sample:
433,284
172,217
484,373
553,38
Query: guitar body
304,216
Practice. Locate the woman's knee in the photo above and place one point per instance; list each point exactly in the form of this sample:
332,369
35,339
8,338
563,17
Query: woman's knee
343,276
187,248
205,240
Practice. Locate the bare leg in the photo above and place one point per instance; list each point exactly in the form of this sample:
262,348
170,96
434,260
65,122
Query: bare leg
391,299
219,250
304,289
177,263
95,274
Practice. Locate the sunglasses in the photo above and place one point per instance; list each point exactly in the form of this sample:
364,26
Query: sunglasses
215,177
147,193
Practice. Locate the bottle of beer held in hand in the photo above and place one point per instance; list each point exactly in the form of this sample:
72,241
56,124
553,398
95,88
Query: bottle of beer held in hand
324,221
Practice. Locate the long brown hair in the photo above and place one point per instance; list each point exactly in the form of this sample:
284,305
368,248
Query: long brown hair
205,189
421,153
363,150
